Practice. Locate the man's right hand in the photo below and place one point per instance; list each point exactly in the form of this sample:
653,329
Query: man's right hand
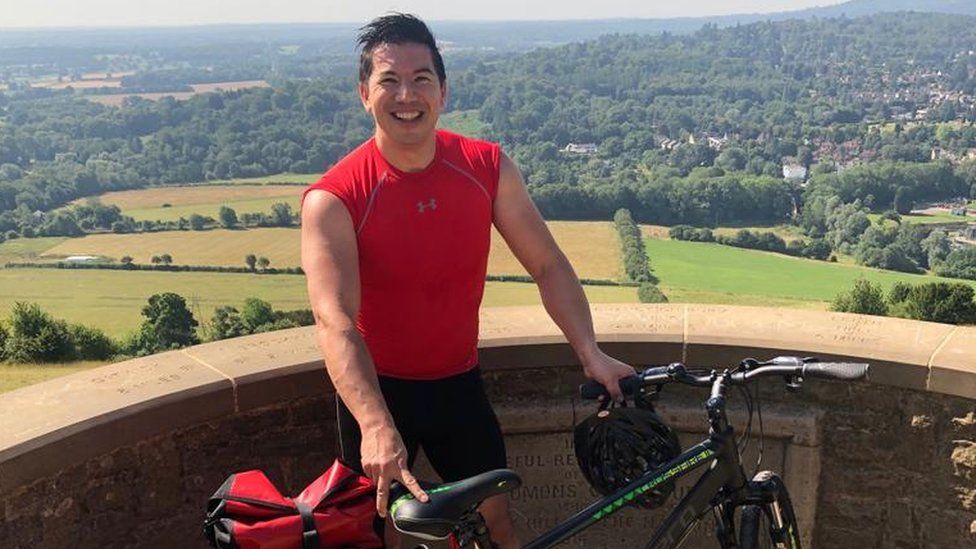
384,459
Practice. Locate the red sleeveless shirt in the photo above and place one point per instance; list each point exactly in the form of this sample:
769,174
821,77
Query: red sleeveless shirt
423,240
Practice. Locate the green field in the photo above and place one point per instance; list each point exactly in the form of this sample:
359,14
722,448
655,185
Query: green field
112,300
926,219
464,122
712,273
173,213
27,249
15,376
592,246
173,202
289,178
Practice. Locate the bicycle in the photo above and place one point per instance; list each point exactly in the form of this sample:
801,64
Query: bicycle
765,518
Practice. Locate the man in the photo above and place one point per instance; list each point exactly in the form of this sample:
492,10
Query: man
395,241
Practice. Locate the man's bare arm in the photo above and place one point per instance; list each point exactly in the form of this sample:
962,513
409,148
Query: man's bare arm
520,224
331,263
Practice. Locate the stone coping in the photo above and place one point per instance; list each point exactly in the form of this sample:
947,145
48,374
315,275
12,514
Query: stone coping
45,427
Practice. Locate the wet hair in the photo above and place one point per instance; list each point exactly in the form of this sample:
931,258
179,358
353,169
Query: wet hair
396,28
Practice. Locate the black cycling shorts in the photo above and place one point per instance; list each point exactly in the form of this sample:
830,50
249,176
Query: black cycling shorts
450,418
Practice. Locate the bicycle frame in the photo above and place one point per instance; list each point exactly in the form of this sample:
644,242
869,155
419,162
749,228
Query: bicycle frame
722,487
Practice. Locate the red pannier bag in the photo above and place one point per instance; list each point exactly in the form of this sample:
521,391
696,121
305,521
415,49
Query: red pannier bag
336,511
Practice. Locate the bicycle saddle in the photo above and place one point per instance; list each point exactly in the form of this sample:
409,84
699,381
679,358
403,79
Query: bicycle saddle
448,503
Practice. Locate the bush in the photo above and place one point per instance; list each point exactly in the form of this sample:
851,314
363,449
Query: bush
864,298
689,233
950,303
37,337
650,293
256,313
3,343
899,292
91,343
959,264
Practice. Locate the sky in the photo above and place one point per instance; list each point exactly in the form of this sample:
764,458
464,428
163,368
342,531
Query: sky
88,13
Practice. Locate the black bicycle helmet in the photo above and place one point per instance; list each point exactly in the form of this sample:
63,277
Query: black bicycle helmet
616,446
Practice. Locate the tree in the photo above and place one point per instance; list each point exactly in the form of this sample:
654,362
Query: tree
169,324
951,303
864,297
197,222
37,337
903,201
281,214
227,217
226,323
155,260
126,260
256,313
959,264
166,259
263,262
251,260
937,247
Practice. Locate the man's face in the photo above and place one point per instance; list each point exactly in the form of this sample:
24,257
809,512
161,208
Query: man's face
403,93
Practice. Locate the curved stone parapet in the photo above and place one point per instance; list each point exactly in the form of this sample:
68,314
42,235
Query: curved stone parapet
86,456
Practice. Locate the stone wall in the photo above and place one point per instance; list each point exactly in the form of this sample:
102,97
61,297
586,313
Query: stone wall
126,455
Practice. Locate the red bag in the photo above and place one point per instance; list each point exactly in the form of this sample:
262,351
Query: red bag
336,511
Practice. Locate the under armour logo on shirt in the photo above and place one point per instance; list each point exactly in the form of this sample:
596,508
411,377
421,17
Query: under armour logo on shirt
431,204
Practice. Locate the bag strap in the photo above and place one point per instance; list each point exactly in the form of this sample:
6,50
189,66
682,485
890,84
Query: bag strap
310,535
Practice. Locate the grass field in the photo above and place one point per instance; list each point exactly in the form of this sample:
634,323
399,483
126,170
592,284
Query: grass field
464,122
712,273
213,247
204,200
252,205
116,99
214,195
15,376
592,247
926,219
290,178
27,249
112,300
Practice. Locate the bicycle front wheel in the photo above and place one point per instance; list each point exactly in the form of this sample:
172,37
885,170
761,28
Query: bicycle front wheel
771,525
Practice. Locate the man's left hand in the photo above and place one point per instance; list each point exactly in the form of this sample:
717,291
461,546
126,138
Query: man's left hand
608,371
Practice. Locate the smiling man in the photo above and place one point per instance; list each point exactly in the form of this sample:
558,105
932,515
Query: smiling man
395,241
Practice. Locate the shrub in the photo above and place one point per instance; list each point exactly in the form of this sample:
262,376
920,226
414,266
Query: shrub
951,303
255,313
91,343
3,343
864,298
37,337
693,234
650,293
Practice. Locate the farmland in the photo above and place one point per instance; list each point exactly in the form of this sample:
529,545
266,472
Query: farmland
112,300
117,99
172,203
213,247
712,273
592,247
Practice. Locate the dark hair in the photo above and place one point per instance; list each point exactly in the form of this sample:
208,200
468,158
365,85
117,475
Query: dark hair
396,28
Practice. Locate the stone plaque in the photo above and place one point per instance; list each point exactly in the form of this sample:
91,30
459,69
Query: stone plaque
553,490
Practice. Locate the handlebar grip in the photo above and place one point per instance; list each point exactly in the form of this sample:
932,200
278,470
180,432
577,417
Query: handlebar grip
848,371
592,390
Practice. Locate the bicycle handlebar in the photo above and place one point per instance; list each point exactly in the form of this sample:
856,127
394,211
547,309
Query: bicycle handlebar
779,366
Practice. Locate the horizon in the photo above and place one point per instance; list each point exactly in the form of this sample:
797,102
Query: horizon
120,15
